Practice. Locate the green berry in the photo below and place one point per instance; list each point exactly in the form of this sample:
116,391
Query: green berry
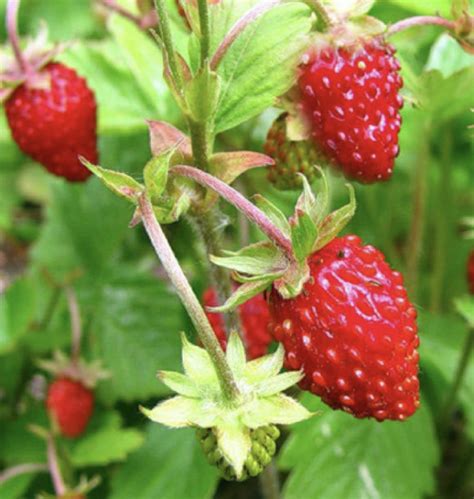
291,157
261,453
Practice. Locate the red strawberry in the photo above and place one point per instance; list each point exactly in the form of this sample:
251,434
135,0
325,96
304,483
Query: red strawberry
350,96
71,404
57,124
470,272
353,331
291,157
255,318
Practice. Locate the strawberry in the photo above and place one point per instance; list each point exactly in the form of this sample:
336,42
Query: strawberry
291,157
350,98
353,332
470,272
56,124
255,317
71,405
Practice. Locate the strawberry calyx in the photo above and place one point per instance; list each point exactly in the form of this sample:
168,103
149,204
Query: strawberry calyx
35,56
201,403
309,228
61,366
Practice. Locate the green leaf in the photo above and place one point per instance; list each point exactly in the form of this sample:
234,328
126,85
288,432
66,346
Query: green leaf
261,64
234,442
178,383
17,486
443,7
17,308
440,354
279,383
170,465
143,57
304,234
133,336
465,307
119,183
447,57
360,458
197,363
75,217
257,259
156,176
264,367
105,443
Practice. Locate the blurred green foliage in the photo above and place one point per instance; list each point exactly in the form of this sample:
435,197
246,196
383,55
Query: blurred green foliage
52,230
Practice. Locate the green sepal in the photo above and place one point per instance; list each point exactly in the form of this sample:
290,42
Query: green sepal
256,260
244,293
273,213
155,175
228,166
465,308
304,234
119,183
202,95
336,221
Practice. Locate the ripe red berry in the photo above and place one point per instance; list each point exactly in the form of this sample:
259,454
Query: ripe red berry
71,404
470,272
291,157
255,317
55,125
353,332
351,99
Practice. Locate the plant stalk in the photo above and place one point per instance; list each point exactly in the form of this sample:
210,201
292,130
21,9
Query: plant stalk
205,30
167,38
12,30
411,22
54,468
76,329
240,202
188,298
418,222
270,482
461,370
441,226
324,19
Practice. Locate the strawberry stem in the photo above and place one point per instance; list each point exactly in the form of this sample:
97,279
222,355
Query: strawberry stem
167,38
145,22
324,19
54,468
76,330
240,202
12,30
188,298
411,22
205,30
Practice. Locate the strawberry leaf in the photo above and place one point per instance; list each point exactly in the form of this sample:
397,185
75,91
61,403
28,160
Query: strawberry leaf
304,234
273,213
164,137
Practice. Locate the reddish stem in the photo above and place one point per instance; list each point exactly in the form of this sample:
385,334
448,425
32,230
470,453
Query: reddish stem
76,330
12,30
240,202
54,469
145,22
411,22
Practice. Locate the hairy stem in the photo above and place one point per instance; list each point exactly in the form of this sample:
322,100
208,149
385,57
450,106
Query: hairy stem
411,22
205,30
21,469
76,329
208,228
417,229
188,298
324,19
12,30
240,202
54,468
167,38
441,226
